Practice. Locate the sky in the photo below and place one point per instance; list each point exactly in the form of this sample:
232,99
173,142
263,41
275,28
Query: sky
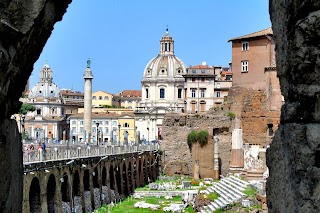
122,36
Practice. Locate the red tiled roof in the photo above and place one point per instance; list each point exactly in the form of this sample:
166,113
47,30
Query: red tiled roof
131,93
226,73
264,32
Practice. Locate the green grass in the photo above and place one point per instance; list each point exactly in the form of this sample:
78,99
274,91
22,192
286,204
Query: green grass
218,211
212,196
128,205
249,191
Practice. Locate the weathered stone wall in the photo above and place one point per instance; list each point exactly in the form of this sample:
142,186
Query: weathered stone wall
178,158
24,28
115,177
251,107
293,157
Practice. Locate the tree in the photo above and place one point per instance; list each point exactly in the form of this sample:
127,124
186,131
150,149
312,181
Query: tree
25,108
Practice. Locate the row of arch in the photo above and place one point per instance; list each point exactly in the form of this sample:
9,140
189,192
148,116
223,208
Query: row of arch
64,188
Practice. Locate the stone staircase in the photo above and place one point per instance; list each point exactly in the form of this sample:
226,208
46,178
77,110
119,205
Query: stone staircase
230,190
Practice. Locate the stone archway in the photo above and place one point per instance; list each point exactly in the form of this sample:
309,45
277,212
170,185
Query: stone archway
51,194
65,191
24,32
76,193
34,196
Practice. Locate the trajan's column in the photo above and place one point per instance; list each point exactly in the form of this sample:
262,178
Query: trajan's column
87,117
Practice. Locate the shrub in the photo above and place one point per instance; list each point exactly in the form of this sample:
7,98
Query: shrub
202,138
231,115
192,138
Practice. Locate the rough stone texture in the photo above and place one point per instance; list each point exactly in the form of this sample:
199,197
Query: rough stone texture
25,27
178,158
294,155
250,106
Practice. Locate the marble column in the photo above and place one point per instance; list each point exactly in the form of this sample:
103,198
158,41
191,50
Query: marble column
87,117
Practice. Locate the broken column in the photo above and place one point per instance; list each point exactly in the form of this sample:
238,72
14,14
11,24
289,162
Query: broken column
237,162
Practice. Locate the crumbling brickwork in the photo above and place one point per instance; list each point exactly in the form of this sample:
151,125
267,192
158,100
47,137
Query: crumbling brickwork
179,159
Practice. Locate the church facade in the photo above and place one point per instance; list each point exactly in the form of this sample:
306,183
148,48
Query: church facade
162,90
47,122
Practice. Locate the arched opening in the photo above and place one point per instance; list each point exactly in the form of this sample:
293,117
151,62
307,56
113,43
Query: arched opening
76,184
95,177
104,176
111,175
96,188
124,180
34,196
202,106
65,193
118,179
139,173
86,193
86,180
51,192
104,187
193,106
76,191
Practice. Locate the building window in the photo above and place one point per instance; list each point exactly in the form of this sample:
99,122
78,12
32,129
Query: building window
193,93
106,98
126,125
202,79
106,122
229,77
74,122
81,129
218,85
94,98
147,93
114,123
194,71
244,66
218,94
162,93
245,46
81,122
38,111
270,129
179,93
107,130
203,71
93,129
203,92
100,97
74,129
193,79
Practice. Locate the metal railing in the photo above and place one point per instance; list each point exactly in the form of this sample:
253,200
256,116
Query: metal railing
56,154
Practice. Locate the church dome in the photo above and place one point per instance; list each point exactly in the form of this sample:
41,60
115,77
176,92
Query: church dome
45,88
166,65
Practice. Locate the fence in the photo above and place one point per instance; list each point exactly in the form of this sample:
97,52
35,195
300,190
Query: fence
56,154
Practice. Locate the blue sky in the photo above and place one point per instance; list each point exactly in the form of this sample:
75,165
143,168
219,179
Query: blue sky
121,36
